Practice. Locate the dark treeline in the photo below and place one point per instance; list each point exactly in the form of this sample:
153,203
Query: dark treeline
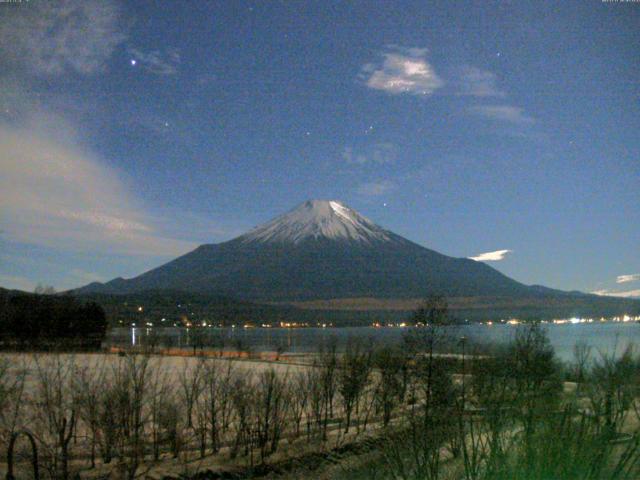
39,320
178,308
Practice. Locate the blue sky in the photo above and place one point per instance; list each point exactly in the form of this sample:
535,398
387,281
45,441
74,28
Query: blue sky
130,132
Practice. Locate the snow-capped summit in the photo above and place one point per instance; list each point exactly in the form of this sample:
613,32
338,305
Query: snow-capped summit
322,249
318,219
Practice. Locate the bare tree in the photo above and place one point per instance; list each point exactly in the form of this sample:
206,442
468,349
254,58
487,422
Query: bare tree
12,383
42,289
270,409
299,394
88,385
201,404
581,357
159,389
390,367
353,375
131,377
328,382
215,399
414,447
190,380
109,419
611,389
56,410
226,391
242,401
169,423
316,405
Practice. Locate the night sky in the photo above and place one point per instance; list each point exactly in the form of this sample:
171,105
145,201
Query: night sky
131,132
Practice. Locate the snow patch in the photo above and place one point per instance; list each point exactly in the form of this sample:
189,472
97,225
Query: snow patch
341,211
316,219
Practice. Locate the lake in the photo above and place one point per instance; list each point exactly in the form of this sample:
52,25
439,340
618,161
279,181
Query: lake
603,337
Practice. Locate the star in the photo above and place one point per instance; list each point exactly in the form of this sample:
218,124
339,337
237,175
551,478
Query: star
133,62
166,124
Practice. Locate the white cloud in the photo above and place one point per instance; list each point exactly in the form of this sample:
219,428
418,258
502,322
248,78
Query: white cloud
504,113
628,278
379,153
351,157
374,189
491,256
402,70
624,294
155,61
50,38
476,82
55,193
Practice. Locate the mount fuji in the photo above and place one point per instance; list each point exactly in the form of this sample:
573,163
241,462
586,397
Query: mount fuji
319,250
324,251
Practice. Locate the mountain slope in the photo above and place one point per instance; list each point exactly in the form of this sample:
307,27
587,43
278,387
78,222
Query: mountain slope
324,250
319,250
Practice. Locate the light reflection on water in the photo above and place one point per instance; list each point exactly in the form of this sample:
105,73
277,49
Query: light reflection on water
602,337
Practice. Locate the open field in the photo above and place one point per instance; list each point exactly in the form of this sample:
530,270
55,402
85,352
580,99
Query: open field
362,413
181,411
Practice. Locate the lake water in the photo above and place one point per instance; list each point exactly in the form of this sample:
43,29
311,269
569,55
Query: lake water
602,337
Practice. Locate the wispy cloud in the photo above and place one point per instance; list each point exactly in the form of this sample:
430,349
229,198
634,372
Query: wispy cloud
402,70
86,277
491,256
379,153
375,189
50,38
16,282
628,278
476,82
503,113
155,61
624,294
56,193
